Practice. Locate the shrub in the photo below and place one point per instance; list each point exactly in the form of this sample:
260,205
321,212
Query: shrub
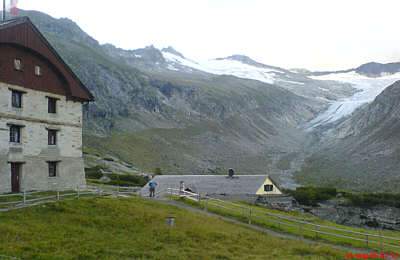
372,223
127,180
371,199
157,171
311,196
93,173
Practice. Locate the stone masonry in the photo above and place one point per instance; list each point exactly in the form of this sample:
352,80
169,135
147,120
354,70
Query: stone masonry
33,150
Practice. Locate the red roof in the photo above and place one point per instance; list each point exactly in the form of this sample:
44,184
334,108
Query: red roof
22,33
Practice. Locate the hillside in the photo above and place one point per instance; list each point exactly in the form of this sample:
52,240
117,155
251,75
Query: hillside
132,228
159,109
363,150
181,121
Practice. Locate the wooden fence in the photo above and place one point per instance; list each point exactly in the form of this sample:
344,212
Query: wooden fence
282,220
31,198
26,199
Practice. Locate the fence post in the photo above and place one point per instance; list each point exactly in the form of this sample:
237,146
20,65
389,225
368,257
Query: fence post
279,223
206,204
316,232
380,236
250,216
301,232
24,197
78,191
367,240
58,195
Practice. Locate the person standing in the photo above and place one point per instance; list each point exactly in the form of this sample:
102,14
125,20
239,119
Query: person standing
152,188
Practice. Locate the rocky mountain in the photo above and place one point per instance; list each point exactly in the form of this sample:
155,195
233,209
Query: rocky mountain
362,151
374,69
187,121
371,69
158,108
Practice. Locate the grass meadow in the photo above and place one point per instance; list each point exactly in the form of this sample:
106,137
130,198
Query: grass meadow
135,228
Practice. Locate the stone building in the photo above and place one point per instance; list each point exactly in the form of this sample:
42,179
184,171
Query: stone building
41,103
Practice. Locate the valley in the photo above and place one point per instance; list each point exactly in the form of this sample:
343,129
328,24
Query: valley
155,108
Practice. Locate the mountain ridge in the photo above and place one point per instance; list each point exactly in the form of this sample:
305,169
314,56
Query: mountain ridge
156,108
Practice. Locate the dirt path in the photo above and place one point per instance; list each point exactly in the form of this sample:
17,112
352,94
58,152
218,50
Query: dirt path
267,231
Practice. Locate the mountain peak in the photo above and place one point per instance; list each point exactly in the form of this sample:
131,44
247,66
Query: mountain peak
170,49
238,57
375,69
247,60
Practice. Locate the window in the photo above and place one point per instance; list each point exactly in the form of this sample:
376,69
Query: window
268,187
52,139
52,105
16,98
38,71
15,134
52,169
17,64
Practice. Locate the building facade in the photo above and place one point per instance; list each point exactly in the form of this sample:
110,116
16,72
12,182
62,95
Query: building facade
41,102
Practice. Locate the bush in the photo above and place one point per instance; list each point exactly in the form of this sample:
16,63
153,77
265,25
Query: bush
157,171
127,180
371,199
311,196
93,173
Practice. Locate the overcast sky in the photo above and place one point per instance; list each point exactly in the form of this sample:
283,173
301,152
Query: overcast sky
312,34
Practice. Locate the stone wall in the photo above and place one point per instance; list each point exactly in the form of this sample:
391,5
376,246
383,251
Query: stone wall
33,150
281,202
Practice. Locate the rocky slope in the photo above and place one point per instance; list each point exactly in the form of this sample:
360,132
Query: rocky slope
363,150
157,108
185,121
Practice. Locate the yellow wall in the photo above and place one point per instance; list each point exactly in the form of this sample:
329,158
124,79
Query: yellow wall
275,190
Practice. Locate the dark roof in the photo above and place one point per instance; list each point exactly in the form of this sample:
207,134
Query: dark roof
77,89
210,184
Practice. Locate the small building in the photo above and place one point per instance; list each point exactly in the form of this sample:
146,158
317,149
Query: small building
238,187
41,104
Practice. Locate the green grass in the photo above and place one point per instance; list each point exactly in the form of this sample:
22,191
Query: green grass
272,223
94,174
134,228
19,197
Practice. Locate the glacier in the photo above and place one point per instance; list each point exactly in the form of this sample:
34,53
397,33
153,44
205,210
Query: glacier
368,89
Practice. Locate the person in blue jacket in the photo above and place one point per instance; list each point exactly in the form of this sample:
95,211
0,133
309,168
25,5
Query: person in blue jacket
152,188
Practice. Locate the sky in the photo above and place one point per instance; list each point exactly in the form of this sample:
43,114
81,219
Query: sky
311,34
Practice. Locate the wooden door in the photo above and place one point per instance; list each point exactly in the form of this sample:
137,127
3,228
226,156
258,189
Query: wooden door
15,176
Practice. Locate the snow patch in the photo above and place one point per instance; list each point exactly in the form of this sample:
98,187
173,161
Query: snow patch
226,67
170,67
368,88
291,82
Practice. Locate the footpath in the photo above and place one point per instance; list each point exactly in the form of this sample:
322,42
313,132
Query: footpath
362,254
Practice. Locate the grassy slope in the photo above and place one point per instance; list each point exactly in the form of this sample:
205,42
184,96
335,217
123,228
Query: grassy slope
272,223
181,150
103,228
